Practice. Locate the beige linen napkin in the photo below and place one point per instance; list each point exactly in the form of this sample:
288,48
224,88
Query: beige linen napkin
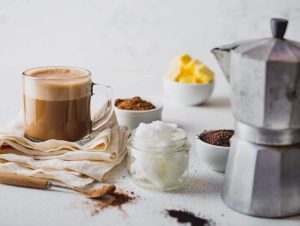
74,164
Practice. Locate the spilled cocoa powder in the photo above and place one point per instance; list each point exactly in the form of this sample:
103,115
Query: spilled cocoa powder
114,199
217,137
184,216
105,189
135,103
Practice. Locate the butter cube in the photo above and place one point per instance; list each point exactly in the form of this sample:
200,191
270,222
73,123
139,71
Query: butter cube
201,68
185,58
178,67
185,69
203,78
204,74
191,66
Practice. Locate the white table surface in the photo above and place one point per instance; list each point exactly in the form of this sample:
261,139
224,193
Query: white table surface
201,194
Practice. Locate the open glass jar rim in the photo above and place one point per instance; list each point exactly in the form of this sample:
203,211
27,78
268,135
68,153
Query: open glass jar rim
178,145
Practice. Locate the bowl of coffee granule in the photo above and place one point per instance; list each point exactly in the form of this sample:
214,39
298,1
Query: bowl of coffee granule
213,147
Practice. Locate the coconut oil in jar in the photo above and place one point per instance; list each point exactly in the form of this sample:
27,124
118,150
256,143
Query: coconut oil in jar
158,156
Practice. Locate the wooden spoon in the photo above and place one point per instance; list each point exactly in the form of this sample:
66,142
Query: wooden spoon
38,183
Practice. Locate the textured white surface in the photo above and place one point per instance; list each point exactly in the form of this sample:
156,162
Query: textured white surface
130,35
138,38
201,194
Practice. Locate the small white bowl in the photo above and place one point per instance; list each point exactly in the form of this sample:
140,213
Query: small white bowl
132,118
188,93
215,157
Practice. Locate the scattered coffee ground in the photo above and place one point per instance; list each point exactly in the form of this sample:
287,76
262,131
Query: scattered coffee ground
184,216
114,199
135,103
217,137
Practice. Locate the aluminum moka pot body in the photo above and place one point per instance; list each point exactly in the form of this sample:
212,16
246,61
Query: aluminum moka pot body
262,180
266,94
262,177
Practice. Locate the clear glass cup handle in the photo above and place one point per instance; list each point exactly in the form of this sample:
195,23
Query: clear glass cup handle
103,114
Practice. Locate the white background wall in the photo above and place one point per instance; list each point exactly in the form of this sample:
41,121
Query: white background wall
136,36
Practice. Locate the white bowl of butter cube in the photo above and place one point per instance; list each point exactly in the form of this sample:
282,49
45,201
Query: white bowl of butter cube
188,81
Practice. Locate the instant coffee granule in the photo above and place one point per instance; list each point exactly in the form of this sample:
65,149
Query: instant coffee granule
135,103
184,216
217,137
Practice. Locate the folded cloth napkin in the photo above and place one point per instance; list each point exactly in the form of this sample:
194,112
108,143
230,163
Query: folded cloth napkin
73,164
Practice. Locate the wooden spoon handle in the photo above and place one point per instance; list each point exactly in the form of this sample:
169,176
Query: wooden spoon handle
23,181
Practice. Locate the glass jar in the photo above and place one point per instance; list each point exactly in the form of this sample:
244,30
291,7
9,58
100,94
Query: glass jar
159,168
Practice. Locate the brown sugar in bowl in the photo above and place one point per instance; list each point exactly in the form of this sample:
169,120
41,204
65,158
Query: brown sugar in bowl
132,118
135,104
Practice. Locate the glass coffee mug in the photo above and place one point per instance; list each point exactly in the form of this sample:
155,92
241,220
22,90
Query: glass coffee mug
57,103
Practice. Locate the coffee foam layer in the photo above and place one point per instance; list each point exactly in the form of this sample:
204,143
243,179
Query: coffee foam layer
57,73
57,84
